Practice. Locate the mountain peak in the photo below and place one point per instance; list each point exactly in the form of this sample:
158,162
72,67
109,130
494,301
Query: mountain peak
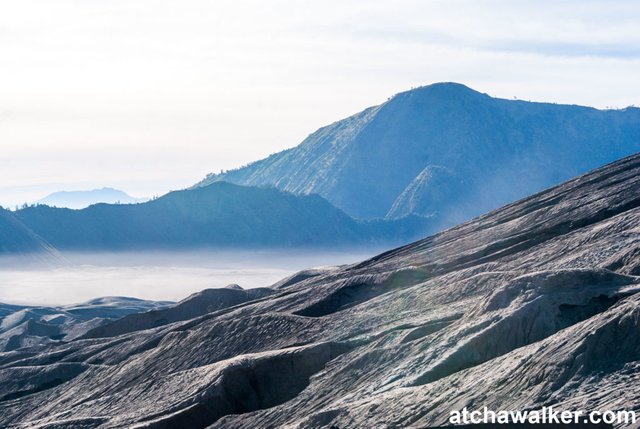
85,198
445,86
441,92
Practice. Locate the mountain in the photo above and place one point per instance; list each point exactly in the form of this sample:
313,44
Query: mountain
15,237
445,151
534,304
220,215
82,199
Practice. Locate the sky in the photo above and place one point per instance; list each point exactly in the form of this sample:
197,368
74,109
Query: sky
150,95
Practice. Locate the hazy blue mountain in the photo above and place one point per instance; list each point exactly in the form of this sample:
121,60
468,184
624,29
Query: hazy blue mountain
15,237
82,199
218,215
445,150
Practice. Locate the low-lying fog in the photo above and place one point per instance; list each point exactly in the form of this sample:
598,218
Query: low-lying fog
154,276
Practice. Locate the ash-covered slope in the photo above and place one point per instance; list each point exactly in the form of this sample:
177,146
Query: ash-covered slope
445,151
24,326
198,304
534,304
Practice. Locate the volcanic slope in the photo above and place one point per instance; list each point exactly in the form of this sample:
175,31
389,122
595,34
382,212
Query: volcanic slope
16,238
22,326
530,305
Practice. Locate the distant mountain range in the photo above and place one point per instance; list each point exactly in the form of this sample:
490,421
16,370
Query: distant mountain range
219,215
447,151
82,199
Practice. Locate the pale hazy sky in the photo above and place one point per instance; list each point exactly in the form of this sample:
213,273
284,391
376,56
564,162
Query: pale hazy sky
150,95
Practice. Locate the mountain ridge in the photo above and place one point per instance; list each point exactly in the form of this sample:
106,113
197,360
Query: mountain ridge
364,163
221,215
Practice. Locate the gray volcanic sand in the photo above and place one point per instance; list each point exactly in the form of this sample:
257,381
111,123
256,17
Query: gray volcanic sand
531,305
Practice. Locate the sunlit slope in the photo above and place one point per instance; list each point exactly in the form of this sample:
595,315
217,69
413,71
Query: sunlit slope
534,304
16,238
